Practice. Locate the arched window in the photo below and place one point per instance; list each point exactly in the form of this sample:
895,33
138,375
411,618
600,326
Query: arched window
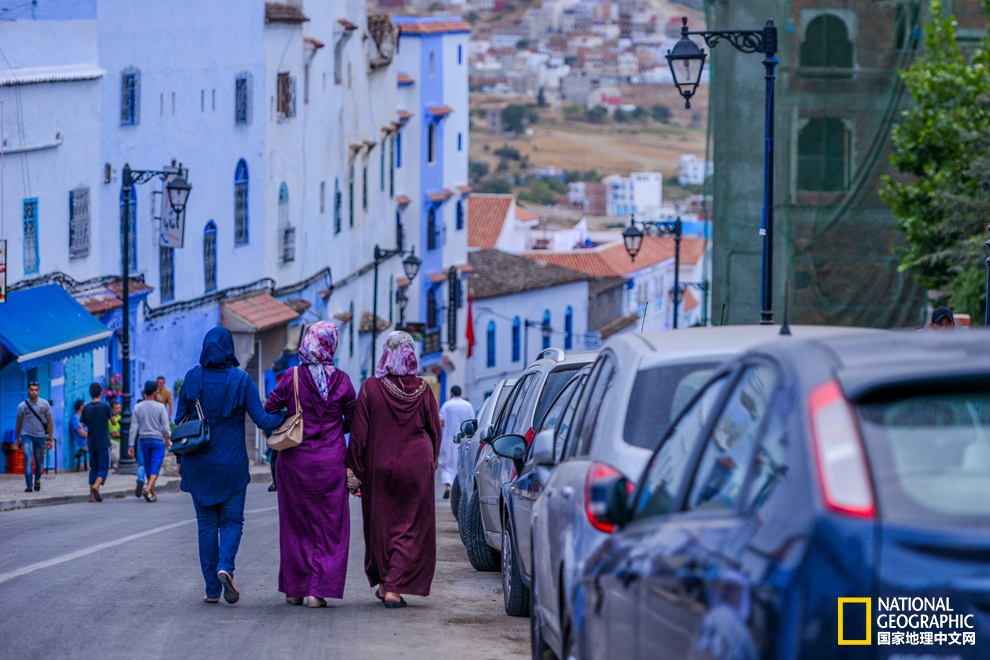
132,228
210,257
824,148
431,229
827,45
568,328
460,214
545,329
241,203
516,331
490,344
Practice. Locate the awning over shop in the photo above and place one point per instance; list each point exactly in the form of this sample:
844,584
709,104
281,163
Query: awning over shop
45,324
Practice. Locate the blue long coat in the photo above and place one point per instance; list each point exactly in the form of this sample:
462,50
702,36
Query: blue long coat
225,394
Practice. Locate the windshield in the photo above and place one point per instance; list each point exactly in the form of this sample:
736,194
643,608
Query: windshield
658,396
930,456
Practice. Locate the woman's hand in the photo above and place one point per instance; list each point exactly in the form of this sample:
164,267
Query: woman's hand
353,483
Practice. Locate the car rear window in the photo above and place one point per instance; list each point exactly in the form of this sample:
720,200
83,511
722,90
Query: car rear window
556,380
930,456
658,395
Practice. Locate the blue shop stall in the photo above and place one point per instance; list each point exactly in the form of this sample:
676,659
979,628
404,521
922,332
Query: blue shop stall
48,337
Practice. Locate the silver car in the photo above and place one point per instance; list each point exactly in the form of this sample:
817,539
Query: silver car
635,389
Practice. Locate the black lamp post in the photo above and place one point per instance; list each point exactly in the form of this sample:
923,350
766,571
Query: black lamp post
678,296
411,266
633,238
686,60
178,193
400,301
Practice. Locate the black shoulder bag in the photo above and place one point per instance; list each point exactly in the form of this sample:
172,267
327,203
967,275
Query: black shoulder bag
191,436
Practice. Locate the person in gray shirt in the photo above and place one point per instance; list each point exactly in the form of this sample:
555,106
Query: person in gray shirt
34,435
149,424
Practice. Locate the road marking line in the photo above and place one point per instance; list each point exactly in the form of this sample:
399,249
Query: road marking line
103,546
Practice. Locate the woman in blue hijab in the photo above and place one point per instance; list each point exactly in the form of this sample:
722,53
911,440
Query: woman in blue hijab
217,478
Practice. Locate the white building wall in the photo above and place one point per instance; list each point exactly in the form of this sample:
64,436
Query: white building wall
527,305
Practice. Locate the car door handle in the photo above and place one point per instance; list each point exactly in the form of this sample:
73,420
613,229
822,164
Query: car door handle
566,491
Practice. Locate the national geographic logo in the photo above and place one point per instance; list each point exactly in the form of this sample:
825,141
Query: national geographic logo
903,621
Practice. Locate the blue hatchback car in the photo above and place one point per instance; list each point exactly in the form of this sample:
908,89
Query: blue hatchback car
817,499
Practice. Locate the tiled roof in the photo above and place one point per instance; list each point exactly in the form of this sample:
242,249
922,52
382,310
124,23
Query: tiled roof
280,12
464,190
439,110
402,282
433,27
135,286
617,325
99,302
346,24
497,273
298,305
315,43
343,317
524,215
402,200
448,192
365,325
437,276
404,79
437,196
260,311
688,301
486,215
404,114
612,260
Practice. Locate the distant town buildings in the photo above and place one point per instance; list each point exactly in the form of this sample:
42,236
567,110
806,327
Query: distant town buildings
640,192
692,172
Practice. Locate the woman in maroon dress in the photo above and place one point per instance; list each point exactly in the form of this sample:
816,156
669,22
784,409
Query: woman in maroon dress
395,441
313,512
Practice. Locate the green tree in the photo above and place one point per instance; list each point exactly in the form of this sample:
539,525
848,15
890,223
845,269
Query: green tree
479,169
507,152
942,145
573,111
541,98
621,115
597,114
496,187
538,192
515,118
522,44
660,113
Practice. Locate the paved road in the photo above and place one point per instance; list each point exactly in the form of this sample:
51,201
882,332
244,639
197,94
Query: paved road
121,580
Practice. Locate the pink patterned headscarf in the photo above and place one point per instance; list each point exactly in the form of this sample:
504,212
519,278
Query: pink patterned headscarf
316,352
398,356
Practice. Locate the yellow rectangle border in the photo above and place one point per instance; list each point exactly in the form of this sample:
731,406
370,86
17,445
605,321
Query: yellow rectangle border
869,633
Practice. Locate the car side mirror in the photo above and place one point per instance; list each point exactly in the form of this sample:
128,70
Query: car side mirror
469,427
608,502
486,435
512,447
543,446
458,438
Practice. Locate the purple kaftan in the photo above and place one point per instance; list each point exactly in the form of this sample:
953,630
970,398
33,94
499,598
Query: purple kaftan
313,511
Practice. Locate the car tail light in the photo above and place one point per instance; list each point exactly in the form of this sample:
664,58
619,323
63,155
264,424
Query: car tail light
598,472
842,467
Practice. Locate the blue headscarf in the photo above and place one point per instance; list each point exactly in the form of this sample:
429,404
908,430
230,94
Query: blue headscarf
218,356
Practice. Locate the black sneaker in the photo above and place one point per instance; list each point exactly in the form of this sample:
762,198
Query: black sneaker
446,494
28,490
139,489
37,485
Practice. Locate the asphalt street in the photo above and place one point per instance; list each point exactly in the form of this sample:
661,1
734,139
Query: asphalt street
121,579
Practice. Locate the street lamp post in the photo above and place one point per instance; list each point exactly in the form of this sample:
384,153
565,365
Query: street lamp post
678,295
633,238
546,330
178,193
686,60
411,266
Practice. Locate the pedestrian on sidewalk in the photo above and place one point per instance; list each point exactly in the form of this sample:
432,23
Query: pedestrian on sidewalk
150,430
34,435
313,512
77,432
217,478
164,395
452,413
392,461
96,416
116,408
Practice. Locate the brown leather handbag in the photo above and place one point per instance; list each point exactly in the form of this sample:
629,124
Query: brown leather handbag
290,434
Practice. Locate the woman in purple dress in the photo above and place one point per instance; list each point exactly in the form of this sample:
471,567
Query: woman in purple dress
314,515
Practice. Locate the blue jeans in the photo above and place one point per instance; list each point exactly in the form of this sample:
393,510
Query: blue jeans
220,528
141,476
152,453
34,452
99,464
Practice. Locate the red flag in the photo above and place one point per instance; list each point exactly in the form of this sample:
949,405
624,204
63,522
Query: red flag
469,333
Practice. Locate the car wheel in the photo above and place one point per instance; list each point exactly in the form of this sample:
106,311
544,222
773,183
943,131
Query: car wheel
514,592
455,496
480,554
538,645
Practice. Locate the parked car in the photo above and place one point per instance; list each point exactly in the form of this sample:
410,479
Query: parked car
468,514
860,467
637,386
529,401
533,465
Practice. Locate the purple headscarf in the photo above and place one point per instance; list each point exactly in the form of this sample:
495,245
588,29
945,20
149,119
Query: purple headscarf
398,356
316,352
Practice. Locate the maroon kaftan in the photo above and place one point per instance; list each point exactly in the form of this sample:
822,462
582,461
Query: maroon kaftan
394,446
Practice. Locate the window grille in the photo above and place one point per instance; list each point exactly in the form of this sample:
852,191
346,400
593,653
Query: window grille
391,168
78,223
130,97
431,230
827,46
241,203
337,203
431,133
31,257
242,99
210,257
546,324
460,215
288,244
381,179
350,196
166,273
286,96
490,352
364,188
287,233
516,331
